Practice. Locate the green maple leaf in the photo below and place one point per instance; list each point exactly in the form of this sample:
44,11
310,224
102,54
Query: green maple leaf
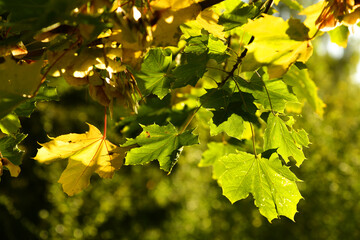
272,185
260,87
278,44
288,144
304,87
163,143
154,76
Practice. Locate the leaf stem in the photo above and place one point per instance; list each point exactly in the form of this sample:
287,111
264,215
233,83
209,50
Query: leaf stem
52,65
267,92
105,123
190,119
251,125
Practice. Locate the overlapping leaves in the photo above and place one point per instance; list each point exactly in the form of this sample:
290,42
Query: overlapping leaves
277,45
140,48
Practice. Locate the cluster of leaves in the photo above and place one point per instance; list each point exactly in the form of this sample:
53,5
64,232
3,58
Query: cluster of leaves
229,67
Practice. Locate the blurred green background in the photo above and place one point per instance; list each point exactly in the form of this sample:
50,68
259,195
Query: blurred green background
144,203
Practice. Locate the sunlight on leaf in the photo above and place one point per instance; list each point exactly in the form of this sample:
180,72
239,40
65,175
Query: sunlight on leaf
277,45
277,136
87,153
272,185
163,143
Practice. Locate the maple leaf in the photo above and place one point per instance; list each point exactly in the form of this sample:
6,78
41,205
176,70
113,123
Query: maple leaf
163,143
288,143
87,153
154,75
272,185
278,44
173,13
304,88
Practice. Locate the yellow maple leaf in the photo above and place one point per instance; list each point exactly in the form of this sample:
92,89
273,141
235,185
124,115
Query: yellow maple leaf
278,44
166,31
208,19
87,153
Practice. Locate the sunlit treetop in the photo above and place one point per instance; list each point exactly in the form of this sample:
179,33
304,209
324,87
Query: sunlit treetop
171,72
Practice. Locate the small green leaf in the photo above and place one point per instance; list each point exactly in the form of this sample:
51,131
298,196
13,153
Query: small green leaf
163,143
154,76
288,144
304,88
9,147
10,124
272,185
340,35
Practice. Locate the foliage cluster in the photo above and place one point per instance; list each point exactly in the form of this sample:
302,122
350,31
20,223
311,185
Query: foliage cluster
170,72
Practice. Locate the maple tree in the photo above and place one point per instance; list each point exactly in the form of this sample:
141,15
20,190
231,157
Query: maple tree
168,68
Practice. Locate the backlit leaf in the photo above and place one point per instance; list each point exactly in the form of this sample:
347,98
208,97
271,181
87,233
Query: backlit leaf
339,35
304,88
277,45
166,31
88,153
272,185
155,73
234,126
10,124
162,143
288,143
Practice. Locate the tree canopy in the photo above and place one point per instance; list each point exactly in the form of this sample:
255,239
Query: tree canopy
169,73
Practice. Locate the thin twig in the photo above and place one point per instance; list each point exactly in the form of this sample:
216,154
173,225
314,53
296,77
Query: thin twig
52,65
267,92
